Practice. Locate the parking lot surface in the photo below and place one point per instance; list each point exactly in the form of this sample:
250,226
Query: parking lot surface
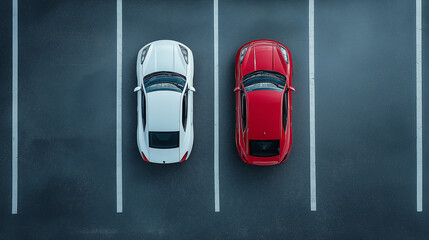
365,123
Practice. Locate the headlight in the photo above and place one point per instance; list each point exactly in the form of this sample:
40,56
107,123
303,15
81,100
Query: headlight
144,52
243,53
184,53
284,53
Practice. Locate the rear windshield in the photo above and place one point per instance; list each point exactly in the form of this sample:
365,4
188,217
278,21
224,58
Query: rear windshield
264,148
163,139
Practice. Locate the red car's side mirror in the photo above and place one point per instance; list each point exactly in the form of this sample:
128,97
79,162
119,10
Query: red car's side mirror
292,89
237,89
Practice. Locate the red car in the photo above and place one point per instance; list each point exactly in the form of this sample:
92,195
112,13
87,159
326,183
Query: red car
263,129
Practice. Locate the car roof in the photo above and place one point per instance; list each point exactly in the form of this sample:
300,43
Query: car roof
264,119
163,110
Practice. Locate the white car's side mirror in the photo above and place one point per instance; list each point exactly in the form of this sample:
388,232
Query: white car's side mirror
192,89
137,89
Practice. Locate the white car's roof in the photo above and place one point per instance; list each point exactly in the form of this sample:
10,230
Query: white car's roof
164,55
163,110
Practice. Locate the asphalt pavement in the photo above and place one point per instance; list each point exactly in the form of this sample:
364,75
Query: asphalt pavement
365,101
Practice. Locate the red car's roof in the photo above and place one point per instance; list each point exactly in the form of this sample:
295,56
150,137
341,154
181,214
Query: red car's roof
264,55
264,115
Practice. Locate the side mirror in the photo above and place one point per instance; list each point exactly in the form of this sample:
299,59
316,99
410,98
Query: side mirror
292,89
137,89
237,89
192,89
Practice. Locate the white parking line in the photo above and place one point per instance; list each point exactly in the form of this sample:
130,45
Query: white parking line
312,107
419,104
119,106
15,107
216,105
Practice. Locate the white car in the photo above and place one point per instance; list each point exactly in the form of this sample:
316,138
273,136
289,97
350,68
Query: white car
165,130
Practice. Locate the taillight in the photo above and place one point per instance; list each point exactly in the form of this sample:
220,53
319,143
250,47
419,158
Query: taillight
144,157
184,157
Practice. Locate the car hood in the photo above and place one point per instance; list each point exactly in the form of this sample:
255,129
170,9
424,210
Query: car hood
163,110
263,56
264,115
164,56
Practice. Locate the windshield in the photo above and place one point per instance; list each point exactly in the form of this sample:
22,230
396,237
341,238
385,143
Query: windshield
164,139
164,81
264,80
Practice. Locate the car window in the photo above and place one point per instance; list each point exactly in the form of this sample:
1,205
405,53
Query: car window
264,80
164,81
264,83
264,148
285,109
185,108
163,140
143,108
243,111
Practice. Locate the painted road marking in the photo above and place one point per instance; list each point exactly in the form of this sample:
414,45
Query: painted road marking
419,104
312,107
15,107
216,105
119,106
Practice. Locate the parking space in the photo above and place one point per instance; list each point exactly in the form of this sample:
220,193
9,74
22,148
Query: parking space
365,101
366,118
66,117
164,200
264,196
6,108
425,102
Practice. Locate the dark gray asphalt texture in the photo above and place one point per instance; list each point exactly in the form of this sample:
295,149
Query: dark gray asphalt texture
365,119
365,124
